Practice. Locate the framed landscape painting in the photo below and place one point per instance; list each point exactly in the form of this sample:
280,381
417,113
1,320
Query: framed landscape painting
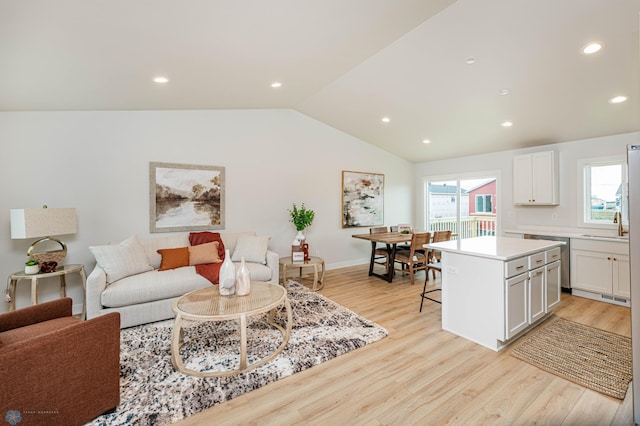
362,199
185,197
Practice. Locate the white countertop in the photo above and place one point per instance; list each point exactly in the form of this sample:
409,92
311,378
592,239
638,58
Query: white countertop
577,234
500,248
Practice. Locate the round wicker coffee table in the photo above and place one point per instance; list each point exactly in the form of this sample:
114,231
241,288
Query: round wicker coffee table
208,305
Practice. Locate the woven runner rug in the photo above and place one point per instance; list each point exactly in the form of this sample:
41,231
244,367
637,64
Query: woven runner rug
153,393
593,358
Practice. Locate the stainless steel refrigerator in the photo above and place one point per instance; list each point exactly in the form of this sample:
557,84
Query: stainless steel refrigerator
633,161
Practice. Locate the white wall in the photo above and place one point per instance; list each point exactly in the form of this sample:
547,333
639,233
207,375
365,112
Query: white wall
98,162
510,216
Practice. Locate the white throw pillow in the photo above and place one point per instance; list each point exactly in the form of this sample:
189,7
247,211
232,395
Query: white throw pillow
252,248
122,260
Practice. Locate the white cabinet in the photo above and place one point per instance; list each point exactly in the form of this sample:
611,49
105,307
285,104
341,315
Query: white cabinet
601,269
532,289
552,282
530,292
536,295
535,179
621,277
517,303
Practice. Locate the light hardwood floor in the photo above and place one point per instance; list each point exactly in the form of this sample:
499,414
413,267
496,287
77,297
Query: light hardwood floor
421,374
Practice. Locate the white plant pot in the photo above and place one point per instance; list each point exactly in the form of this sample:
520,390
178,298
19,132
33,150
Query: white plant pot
31,269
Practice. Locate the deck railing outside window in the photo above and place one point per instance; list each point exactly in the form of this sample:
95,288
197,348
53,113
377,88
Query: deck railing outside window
472,226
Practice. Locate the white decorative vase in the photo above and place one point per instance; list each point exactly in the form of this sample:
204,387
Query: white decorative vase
300,237
243,280
31,269
227,280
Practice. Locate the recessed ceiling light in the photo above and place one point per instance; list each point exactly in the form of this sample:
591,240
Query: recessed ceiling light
386,119
426,141
505,92
617,99
471,60
507,124
161,79
276,84
591,48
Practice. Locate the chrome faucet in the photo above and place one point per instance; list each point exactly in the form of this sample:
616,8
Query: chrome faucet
617,218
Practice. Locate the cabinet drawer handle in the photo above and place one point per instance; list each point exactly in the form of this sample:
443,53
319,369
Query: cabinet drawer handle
538,261
555,255
520,267
608,258
614,259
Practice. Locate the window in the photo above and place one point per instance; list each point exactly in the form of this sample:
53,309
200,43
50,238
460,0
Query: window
463,205
605,191
483,203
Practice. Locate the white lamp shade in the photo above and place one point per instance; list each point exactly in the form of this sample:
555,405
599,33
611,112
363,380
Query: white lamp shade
45,222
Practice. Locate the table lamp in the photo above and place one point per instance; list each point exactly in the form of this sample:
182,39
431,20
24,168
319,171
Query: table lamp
43,223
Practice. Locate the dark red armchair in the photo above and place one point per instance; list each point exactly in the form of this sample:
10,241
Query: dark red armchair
56,369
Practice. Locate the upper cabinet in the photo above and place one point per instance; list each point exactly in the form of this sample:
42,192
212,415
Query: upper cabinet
535,179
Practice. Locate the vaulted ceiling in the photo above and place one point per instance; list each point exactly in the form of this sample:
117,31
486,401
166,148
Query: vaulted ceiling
451,72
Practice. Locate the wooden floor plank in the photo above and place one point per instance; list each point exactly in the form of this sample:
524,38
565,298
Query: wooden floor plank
552,406
421,374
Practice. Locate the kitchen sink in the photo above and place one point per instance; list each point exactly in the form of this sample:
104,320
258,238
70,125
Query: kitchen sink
605,237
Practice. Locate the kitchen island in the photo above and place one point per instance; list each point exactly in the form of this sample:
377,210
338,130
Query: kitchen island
494,289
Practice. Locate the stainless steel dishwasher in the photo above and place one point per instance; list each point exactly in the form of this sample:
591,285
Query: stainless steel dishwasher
565,259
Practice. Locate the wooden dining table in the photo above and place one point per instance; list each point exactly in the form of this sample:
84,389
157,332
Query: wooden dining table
391,240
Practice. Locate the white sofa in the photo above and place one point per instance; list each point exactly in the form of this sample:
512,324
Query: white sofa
147,296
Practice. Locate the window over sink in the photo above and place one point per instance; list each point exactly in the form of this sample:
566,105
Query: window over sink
604,191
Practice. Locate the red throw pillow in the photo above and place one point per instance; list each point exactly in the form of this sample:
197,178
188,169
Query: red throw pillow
197,238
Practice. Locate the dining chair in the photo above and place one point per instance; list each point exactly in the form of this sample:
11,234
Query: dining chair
378,254
414,259
436,256
434,264
402,227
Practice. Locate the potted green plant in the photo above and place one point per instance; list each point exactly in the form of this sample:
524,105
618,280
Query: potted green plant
31,267
302,218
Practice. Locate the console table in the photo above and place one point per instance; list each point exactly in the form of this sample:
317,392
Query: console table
61,272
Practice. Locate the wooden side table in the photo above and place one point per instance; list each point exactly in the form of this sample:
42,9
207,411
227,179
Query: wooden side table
313,262
61,272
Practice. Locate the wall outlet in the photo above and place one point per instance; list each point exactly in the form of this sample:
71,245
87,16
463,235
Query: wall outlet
452,270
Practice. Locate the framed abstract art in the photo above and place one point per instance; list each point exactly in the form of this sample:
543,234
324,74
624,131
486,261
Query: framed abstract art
362,199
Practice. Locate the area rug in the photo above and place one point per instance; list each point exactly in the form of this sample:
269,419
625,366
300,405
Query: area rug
153,393
593,358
